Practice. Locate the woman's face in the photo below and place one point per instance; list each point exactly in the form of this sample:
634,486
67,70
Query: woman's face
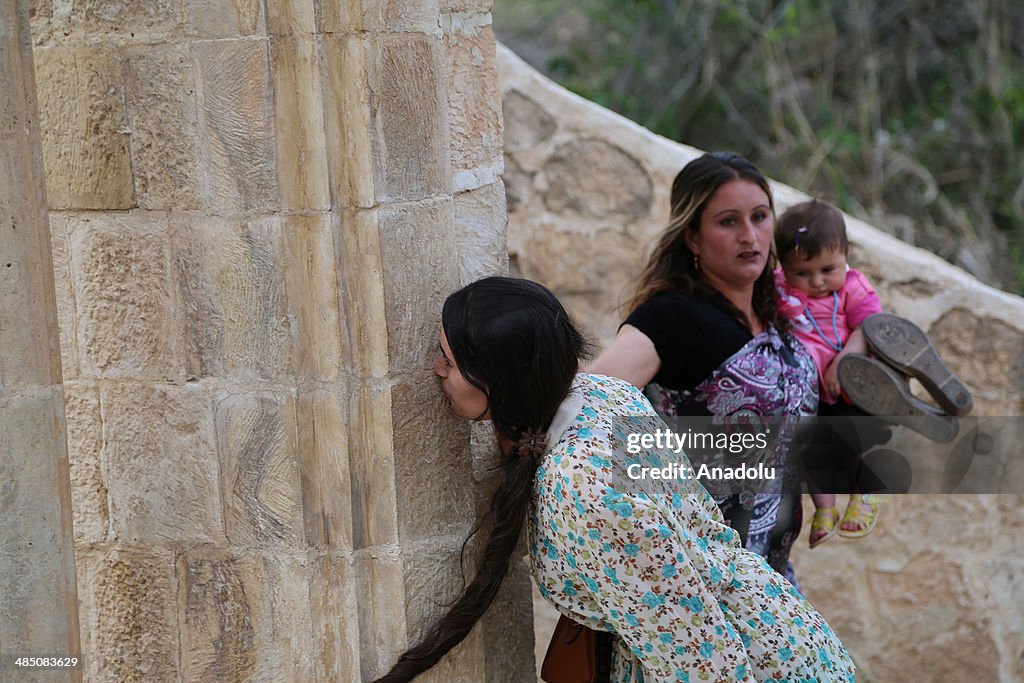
466,400
735,235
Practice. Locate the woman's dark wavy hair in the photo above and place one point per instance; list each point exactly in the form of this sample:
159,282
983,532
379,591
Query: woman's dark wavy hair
672,267
513,340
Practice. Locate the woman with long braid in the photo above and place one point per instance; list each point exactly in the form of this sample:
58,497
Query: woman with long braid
652,562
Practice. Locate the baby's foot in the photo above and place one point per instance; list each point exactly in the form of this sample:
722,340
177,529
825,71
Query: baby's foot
861,516
823,525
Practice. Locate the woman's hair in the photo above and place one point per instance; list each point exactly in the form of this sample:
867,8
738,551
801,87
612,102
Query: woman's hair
513,340
672,266
809,228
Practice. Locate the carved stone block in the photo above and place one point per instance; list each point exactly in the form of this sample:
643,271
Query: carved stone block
160,91
480,232
410,116
129,616
299,117
323,446
126,321
259,467
160,464
421,234
85,442
474,100
312,283
236,125
231,284
434,484
225,18
84,128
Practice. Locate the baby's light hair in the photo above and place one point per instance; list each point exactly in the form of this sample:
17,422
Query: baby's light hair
808,229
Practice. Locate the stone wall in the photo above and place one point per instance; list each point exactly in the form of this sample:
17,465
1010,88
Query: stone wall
935,592
38,604
257,209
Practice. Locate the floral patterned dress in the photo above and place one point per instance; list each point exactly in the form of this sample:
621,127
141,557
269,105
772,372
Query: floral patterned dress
654,561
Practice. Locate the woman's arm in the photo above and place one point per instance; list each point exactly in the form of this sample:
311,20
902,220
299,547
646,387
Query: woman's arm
631,357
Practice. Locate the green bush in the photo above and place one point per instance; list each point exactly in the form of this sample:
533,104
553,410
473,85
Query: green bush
911,109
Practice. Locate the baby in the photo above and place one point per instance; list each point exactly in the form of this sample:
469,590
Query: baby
830,307
823,298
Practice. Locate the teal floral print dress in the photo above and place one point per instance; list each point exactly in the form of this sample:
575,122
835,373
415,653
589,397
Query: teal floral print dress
654,562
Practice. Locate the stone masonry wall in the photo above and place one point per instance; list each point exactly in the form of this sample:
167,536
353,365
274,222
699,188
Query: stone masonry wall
257,209
38,604
935,593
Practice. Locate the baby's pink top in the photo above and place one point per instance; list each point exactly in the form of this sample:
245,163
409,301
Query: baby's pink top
857,300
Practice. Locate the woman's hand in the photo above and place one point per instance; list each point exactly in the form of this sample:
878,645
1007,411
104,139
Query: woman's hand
631,357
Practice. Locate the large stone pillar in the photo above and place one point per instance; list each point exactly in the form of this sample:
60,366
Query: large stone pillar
38,605
414,157
258,208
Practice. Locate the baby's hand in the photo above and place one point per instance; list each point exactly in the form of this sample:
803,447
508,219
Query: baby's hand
832,379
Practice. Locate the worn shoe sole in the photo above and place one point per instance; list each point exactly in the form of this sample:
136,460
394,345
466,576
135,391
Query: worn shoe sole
903,345
878,390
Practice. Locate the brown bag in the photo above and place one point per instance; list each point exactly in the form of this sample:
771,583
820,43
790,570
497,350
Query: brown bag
577,654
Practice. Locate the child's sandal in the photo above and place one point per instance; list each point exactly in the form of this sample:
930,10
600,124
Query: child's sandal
823,525
855,514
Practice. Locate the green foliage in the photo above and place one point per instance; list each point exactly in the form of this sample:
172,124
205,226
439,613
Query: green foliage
910,109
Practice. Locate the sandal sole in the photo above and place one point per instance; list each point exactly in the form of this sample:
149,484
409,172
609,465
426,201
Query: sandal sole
821,540
903,345
858,534
876,389
831,534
